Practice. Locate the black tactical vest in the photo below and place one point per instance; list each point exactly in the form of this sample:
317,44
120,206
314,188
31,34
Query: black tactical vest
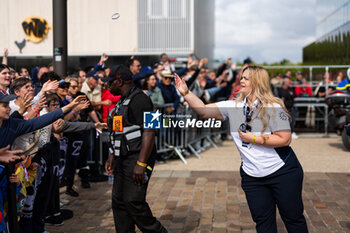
129,141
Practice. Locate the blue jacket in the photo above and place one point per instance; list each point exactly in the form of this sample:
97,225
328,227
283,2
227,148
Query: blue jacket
12,128
9,131
343,85
144,74
169,94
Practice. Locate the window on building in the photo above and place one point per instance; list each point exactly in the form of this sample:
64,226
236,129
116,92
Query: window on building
162,9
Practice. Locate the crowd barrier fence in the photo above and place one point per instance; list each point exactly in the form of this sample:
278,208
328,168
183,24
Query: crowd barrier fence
181,140
177,140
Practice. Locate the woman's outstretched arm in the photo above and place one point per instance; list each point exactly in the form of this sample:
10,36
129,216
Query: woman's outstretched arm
204,111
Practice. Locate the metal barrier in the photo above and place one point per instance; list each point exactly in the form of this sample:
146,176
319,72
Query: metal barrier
317,103
173,139
311,68
180,139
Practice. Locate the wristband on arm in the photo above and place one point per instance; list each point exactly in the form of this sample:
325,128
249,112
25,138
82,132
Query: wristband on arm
184,94
37,112
144,165
254,139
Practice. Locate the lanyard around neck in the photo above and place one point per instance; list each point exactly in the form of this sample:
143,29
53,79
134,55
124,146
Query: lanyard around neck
247,110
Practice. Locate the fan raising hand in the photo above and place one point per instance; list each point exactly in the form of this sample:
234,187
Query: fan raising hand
181,85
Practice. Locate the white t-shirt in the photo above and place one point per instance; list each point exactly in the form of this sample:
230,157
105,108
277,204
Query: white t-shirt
26,142
257,160
15,107
30,142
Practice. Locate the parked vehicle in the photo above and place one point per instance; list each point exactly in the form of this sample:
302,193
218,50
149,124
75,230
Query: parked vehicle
339,115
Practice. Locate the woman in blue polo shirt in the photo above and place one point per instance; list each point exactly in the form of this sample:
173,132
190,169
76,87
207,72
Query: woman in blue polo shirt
270,171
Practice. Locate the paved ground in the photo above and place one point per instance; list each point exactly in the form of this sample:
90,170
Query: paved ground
205,195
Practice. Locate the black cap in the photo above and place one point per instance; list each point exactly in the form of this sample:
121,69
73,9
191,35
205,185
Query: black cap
247,61
6,97
118,72
63,84
92,74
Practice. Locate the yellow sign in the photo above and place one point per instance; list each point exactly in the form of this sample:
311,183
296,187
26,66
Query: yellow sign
36,28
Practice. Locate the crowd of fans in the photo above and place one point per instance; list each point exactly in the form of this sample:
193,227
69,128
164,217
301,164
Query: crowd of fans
52,149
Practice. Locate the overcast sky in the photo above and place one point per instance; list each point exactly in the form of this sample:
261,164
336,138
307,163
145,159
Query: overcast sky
265,30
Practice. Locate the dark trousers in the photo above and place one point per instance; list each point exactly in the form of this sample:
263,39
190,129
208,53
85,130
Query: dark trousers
282,188
129,200
74,151
32,225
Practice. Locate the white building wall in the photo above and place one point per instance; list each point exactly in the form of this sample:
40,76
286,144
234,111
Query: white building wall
91,30
145,27
12,13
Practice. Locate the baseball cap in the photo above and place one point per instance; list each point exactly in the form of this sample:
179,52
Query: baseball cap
6,97
146,68
118,72
297,73
166,74
63,84
92,74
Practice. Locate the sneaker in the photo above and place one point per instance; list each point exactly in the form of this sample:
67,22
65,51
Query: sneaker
63,201
186,153
200,149
206,144
66,214
294,136
72,192
54,220
161,158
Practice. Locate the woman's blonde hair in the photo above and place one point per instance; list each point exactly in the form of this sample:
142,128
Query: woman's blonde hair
70,79
261,88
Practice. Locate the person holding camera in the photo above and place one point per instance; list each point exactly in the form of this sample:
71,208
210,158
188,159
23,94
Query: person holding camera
259,124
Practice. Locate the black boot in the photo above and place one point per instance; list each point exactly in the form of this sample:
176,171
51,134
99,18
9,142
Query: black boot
70,191
84,175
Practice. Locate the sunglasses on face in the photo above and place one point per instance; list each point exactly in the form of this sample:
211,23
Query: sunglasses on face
64,86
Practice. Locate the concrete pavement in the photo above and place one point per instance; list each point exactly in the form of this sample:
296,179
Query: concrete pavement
205,195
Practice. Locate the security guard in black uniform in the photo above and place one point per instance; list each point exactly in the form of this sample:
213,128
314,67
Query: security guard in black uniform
132,155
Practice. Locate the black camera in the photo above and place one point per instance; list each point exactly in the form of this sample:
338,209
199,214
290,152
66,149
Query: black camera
245,127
